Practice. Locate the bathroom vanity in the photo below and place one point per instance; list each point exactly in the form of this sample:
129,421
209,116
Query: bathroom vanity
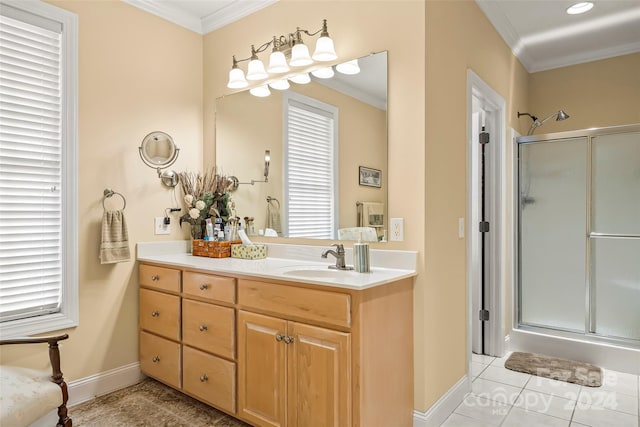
280,342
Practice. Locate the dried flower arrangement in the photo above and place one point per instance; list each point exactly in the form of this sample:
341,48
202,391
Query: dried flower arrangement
206,195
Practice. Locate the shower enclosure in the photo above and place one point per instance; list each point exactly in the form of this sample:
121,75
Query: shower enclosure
578,238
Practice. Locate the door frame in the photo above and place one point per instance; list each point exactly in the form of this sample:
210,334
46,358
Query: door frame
497,186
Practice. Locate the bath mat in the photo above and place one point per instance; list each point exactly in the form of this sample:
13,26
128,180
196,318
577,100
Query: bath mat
555,368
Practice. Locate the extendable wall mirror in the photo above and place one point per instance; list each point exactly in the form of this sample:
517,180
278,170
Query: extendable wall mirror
158,151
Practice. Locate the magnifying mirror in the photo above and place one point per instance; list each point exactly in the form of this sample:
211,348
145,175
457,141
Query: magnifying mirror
158,151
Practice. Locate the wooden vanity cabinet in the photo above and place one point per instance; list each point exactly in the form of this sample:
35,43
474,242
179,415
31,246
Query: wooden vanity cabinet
281,353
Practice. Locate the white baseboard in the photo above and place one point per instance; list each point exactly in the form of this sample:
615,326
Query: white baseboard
441,410
89,388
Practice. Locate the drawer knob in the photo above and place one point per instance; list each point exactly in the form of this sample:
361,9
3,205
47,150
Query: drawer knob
204,287
288,340
279,337
155,313
203,328
155,359
155,278
204,378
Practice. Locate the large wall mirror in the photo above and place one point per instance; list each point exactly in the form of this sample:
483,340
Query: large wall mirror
328,154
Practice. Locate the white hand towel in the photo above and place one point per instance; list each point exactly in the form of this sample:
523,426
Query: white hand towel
273,218
115,238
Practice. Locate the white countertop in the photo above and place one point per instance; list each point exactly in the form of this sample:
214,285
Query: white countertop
297,268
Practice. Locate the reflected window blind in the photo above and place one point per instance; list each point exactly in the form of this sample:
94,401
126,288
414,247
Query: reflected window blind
30,166
310,171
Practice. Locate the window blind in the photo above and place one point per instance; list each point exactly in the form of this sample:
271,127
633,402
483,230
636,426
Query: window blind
310,171
30,168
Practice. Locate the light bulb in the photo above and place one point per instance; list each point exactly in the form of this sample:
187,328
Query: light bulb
324,50
323,73
280,84
301,79
255,70
349,67
300,56
260,91
277,63
237,79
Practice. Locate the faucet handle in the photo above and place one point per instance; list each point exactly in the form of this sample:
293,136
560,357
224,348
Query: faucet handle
340,247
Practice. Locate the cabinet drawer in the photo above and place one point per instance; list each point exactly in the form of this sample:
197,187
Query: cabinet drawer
162,278
210,378
160,358
210,287
160,313
209,327
309,304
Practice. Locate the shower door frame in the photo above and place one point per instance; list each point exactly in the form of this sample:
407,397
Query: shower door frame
589,334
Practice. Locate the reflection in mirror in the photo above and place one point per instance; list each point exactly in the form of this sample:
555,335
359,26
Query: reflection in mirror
315,160
158,151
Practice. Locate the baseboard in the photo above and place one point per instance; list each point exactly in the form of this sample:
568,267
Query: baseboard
89,388
441,410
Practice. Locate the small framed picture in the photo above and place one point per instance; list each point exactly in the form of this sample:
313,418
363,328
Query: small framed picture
370,177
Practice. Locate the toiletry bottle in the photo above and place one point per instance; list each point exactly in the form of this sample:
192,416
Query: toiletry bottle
361,257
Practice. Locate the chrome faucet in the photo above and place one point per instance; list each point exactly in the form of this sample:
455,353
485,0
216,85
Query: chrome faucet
339,254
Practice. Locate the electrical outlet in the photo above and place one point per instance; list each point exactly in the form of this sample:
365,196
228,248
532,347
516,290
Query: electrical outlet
397,230
161,227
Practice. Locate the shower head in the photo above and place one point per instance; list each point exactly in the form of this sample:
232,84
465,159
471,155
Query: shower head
559,115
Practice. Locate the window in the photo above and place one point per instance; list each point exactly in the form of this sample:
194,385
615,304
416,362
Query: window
38,168
311,176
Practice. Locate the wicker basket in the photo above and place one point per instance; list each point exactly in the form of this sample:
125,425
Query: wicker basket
212,249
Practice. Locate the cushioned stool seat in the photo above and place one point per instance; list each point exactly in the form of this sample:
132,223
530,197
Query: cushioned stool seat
26,395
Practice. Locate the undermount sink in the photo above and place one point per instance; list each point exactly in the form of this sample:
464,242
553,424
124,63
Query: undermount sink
320,273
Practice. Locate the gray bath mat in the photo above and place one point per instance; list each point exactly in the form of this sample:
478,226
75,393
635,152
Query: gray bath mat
555,368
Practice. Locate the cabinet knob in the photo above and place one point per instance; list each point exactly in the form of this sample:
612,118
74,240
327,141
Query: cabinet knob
155,359
204,287
203,328
155,313
155,278
279,337
288,340
204,378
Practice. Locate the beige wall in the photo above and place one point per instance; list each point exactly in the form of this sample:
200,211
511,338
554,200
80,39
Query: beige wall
246,126
137,74
595,94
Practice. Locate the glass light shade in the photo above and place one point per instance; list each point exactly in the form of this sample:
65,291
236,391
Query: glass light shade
301,79
323,73
280,84
300,56
236,79
579,8
260,91
324,50
255,70
277,63
349,67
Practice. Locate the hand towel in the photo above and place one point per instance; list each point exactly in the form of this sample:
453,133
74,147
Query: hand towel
273,218
115,239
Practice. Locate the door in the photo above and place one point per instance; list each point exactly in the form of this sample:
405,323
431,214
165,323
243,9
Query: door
319,380
261,369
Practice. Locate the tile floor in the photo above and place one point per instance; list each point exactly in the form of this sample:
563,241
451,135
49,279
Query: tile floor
501,397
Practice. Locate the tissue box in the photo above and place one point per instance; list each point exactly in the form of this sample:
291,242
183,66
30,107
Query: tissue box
257,251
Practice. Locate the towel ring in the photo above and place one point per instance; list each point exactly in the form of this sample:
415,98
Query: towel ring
270,199
108,193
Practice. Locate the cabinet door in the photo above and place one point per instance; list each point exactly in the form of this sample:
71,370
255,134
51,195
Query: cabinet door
261,369
319,377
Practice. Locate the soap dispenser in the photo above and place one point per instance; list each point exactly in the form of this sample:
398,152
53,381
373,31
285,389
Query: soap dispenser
361,256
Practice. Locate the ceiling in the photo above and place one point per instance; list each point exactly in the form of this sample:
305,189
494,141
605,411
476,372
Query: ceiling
539,32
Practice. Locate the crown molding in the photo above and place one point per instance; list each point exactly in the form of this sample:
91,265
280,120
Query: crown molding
169,13
583,57
231,13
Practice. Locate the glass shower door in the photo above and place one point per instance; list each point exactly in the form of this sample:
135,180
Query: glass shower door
615,235
552,241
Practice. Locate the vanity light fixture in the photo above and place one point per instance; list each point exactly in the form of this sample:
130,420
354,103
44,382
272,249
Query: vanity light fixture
350,67
579,8
280,84
323,73
260,91
301,79
291,46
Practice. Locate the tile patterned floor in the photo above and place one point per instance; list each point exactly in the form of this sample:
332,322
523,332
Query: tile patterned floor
504,398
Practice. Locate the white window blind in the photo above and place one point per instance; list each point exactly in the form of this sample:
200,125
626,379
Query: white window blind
30,167
310,153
